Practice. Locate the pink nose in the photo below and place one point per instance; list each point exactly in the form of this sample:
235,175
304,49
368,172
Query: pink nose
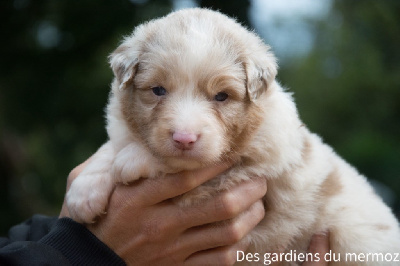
184,140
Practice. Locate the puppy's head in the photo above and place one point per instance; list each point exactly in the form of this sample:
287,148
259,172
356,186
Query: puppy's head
189,85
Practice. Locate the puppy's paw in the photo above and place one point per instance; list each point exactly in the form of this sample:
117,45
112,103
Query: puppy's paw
88,198
132,163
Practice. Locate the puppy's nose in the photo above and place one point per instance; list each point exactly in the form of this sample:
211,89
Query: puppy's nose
184,140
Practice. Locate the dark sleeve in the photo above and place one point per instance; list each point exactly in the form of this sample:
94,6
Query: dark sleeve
50,241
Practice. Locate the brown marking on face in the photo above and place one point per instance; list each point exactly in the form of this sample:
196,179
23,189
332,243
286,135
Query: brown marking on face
239,116
230,83
252,120
128,108
331,185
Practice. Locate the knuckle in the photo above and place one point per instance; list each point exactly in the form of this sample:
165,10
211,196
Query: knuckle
73,175
154,231
234,233
263,186
184,181
229,206
188,182
259,187
259,210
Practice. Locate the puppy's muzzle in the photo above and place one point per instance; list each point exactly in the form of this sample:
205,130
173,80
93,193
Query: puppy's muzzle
184,140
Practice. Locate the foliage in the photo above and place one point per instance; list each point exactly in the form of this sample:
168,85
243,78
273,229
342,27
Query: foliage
348,87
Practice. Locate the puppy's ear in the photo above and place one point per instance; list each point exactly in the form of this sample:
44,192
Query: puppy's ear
261,70
124,62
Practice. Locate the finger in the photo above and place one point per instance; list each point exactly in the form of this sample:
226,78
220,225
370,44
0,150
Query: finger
225,205
155,190
221,234
218,256
319,244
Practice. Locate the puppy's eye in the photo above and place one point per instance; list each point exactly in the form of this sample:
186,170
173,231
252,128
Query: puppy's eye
221,96
159,91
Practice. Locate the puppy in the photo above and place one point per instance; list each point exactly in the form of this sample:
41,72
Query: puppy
195,88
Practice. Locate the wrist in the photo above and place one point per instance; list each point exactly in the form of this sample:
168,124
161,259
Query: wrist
79,245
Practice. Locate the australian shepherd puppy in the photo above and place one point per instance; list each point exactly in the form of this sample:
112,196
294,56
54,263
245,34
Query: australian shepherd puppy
195,88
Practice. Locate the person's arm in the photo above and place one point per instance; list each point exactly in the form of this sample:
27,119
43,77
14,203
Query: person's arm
44,240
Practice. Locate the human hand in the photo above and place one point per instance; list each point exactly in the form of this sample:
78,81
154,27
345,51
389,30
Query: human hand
145,227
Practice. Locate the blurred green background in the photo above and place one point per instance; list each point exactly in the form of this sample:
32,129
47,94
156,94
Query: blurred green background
340,58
